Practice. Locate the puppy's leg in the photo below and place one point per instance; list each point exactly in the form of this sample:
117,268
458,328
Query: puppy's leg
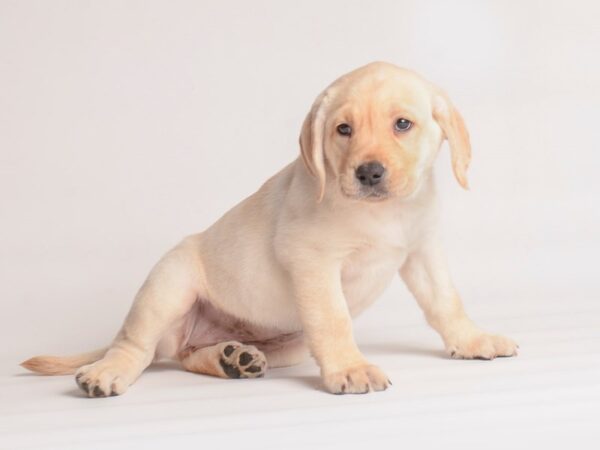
426,276
225,360
328,329
169,292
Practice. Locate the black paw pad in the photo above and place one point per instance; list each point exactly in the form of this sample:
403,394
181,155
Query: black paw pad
253,369
230,370
228,350
245,358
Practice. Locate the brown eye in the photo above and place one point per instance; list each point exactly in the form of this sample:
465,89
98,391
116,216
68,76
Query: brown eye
344,129
402,124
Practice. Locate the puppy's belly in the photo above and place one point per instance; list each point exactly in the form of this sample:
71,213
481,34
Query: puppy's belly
264,314
366,276
206,325
259,293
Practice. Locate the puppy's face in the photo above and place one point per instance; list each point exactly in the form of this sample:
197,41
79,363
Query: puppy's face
380,136
377,130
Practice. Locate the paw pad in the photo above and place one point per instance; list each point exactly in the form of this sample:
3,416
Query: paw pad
242,361
245,358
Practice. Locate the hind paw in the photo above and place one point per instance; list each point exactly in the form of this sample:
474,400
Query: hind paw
241,361
102,379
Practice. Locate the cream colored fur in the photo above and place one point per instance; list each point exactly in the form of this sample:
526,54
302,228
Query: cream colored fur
312,249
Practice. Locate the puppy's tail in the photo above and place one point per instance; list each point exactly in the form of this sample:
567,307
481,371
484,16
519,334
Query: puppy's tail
62,365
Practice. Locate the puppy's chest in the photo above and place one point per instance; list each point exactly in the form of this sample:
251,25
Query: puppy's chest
377,258
367,272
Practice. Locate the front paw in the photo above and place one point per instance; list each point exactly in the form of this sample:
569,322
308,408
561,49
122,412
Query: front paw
481,346
356,380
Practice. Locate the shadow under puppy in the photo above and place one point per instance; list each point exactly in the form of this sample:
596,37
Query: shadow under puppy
281,275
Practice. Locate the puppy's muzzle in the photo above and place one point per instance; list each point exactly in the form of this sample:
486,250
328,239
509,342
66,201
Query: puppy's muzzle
370,174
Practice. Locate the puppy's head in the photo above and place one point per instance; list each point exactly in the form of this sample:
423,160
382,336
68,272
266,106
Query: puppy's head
377,130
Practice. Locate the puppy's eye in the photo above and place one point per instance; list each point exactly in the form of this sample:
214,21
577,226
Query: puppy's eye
402,124
344,129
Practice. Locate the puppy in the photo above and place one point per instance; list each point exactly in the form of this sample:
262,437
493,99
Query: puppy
281,275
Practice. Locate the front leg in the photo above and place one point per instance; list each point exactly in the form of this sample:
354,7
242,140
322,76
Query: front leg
327,329
426,276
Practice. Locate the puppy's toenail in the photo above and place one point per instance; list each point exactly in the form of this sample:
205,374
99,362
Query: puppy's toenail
229,350
98,392
245,358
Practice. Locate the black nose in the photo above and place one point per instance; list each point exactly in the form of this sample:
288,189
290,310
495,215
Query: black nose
370,174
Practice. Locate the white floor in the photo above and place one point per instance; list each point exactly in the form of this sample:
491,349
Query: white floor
547,397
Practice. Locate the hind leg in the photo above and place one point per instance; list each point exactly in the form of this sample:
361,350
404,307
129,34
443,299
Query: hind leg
167,295
225,360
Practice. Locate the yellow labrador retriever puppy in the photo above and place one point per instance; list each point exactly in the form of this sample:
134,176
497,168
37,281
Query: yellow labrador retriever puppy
283,273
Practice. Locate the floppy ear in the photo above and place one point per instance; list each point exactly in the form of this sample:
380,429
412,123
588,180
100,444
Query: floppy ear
455,131
311,141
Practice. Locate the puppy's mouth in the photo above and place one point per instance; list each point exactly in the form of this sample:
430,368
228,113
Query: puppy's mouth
378,192
368,193
373,194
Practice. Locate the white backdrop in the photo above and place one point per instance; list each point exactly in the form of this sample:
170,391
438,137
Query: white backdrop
126,125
